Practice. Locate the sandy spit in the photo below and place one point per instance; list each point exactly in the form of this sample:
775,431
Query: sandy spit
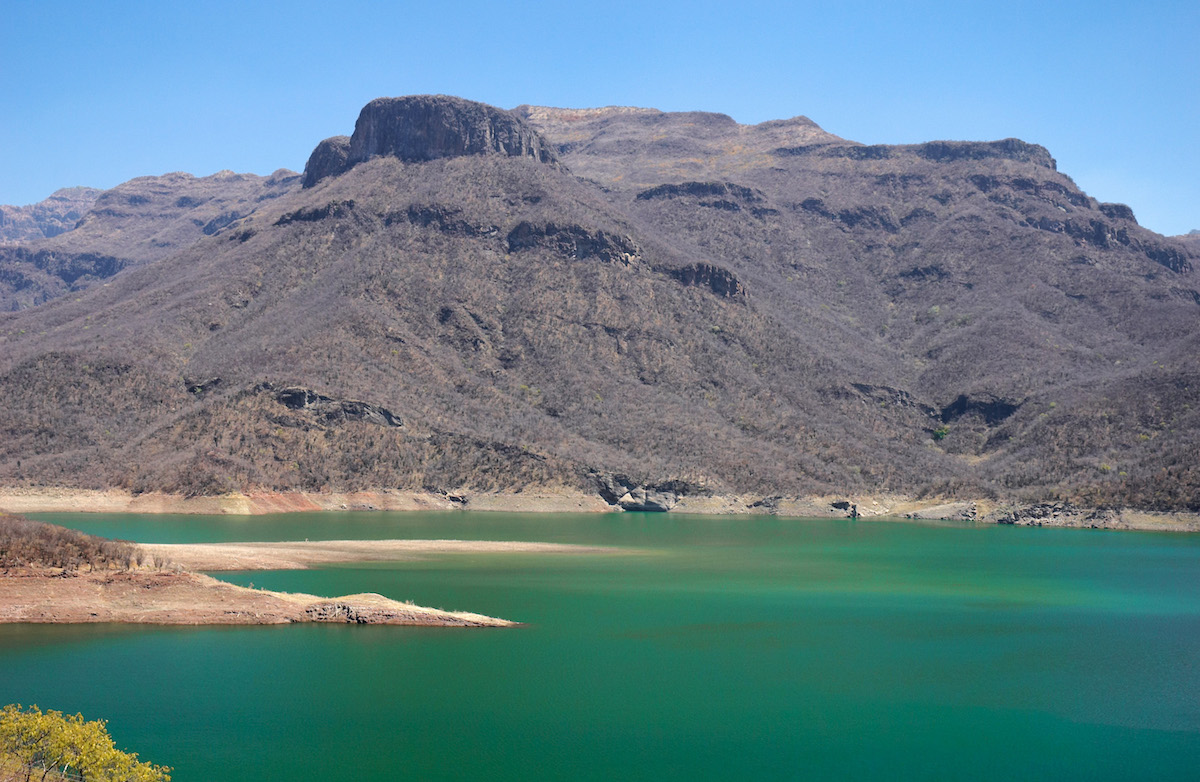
297,555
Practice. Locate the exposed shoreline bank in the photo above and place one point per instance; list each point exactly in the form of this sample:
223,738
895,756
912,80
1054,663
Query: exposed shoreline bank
49,596
560,500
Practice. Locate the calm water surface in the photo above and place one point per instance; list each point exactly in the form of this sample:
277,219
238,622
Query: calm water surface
707,649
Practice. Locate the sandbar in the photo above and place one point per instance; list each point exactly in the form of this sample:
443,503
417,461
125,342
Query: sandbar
298,555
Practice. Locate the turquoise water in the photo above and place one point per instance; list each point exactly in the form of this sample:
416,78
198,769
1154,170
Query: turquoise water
753,648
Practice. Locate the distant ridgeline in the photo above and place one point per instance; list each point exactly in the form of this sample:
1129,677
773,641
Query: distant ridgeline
59,213
640,305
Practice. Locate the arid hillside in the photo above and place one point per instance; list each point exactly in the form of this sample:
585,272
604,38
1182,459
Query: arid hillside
611,300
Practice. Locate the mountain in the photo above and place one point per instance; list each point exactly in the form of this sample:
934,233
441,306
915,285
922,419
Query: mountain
621,301
57,214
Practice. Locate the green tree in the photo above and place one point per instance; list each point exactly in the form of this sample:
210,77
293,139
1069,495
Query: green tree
53,746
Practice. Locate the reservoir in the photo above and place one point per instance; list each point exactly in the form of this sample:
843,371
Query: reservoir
704,648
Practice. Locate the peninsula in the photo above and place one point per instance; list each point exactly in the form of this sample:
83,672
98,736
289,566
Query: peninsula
49,574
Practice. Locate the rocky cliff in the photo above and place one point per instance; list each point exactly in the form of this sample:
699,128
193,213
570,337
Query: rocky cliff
426,127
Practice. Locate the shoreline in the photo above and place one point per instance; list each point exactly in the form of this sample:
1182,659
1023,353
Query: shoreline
561,500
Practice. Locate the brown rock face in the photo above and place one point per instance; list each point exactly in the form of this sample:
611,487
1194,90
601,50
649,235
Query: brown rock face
426,127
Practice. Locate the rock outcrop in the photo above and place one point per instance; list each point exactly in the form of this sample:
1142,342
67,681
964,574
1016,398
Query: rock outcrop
419,128
316,214
721,282
372,609
331,410
726,190
1055,514
573,241
936,151
330,158
990,408
1118,212
627,494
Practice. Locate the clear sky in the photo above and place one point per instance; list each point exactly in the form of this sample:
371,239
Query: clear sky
95,93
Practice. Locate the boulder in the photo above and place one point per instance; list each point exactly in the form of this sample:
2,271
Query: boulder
641,499
629,495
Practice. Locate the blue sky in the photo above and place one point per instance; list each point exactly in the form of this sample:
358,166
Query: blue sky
97,93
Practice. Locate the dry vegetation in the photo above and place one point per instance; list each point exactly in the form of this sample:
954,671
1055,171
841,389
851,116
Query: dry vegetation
25,543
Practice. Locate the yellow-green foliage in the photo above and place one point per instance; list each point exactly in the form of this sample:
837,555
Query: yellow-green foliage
53,745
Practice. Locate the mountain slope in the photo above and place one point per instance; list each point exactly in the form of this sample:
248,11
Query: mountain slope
460,297
983,276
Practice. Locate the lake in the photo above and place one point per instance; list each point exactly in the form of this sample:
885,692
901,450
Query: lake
707,649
